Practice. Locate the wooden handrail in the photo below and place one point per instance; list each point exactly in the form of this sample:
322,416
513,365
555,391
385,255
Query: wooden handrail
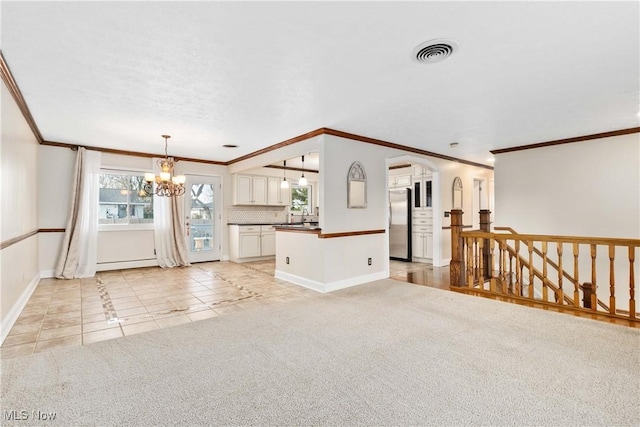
557,239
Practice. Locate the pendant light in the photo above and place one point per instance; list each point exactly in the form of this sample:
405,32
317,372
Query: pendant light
303,180
284,183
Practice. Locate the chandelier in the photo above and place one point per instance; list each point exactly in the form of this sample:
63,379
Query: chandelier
167,185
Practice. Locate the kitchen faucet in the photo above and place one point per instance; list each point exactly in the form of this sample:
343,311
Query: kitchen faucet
304,212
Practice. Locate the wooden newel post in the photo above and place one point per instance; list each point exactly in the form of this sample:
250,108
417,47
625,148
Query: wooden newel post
587,291
485,225
456,267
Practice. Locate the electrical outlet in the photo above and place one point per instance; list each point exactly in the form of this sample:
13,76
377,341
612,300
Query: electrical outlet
287,260
369,261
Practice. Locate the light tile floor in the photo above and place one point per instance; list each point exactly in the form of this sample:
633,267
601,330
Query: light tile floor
63,313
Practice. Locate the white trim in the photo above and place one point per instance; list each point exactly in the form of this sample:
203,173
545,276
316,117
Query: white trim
331,286
252,259
11,317
47,274
300,281
122,265
443,262
148,226
353,281
437,206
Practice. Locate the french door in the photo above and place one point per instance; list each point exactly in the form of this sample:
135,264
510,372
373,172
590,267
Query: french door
203,214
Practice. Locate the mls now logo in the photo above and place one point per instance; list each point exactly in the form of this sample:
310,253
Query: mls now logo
23,415
16,415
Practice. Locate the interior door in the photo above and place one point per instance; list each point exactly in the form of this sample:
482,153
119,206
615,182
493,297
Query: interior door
203,222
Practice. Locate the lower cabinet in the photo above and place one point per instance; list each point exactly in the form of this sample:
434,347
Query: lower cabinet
422,245
268,243
422,239
249,245
248,242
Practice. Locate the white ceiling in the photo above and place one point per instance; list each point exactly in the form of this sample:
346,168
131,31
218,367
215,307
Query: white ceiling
118,75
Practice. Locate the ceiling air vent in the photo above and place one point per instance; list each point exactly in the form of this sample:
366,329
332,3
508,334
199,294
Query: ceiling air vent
434,50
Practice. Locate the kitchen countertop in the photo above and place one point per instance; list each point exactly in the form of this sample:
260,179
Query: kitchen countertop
298,228
254,223
273,223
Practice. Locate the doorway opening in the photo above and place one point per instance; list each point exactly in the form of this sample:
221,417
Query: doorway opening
422,178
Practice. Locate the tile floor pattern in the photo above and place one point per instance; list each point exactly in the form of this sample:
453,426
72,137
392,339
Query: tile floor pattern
63,313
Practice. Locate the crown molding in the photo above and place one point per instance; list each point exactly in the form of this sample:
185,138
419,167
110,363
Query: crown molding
568,140
9,81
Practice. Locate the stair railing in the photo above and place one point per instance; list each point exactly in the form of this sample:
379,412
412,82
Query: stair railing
482,261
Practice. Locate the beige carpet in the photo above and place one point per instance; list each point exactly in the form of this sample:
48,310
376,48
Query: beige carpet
385,353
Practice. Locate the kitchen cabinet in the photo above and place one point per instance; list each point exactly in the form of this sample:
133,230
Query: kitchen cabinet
422,235
400,181
420,171
267,241
422,245
422,194
249,242
251,190
422,187
276,195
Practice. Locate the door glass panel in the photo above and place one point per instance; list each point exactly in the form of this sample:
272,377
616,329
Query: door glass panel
201,217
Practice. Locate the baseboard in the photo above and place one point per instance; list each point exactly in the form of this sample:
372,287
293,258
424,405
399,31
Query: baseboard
225,258
47,274
11,317
300,281
354,281
123,265
252,259
331,286
443,262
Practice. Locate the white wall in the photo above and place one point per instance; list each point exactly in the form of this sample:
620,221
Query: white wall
342,261
19,188
54,205
337,155
589,188
326,265
116,249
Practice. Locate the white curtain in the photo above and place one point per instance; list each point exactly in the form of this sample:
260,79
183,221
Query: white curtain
171,247
80,246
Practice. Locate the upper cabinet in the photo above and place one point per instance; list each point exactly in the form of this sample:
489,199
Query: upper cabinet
400,181
420,171
422,187
250,190
276,195
260,190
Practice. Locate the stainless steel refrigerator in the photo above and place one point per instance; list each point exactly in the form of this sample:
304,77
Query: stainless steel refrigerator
400,224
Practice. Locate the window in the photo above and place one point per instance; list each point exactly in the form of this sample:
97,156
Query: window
122,199
300,198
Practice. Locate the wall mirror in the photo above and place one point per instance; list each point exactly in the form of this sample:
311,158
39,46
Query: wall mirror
457,193
356,186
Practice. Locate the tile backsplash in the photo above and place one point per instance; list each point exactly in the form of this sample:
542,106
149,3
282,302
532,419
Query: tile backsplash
256,214
263,215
